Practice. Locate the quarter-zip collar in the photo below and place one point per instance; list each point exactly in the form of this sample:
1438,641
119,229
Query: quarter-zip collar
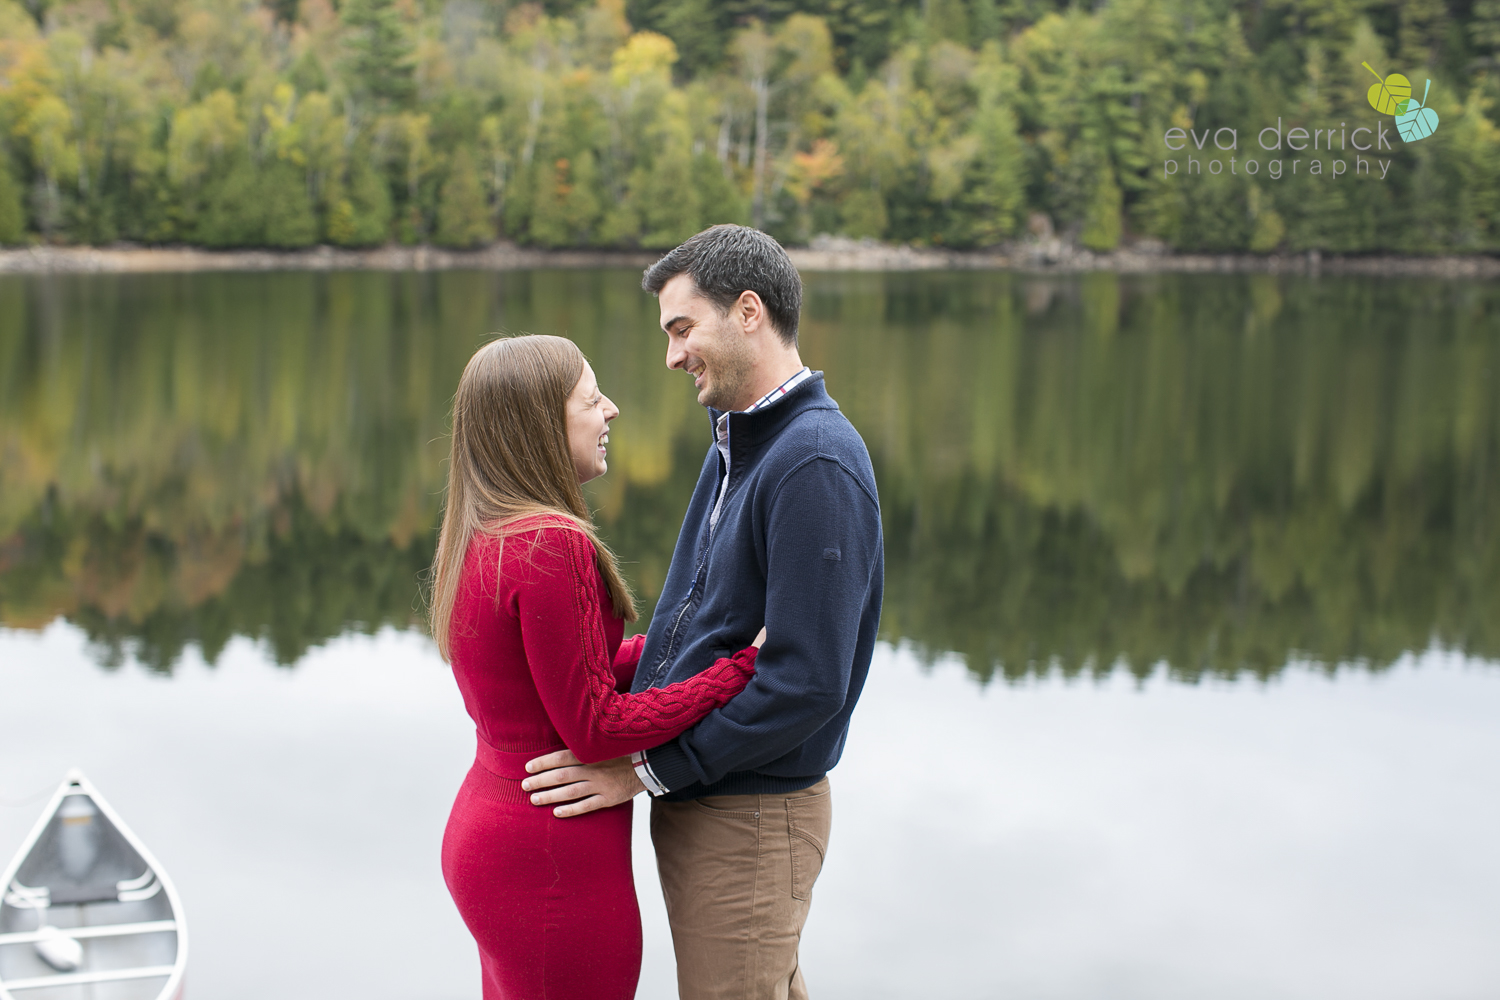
721,423
748,427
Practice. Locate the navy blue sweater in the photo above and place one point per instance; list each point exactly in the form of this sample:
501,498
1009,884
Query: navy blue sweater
797,548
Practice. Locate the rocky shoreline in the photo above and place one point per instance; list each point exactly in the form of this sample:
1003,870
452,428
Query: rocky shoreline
1049,256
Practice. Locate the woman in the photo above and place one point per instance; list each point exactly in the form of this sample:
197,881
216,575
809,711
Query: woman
529,607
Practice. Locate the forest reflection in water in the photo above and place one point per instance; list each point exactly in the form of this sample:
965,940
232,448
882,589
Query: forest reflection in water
1218,473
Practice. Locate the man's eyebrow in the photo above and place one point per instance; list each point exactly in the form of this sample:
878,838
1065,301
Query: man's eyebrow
667,326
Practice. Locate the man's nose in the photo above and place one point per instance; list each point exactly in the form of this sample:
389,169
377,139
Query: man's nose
675,354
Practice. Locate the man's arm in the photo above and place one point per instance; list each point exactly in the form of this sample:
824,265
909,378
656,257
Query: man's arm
560,779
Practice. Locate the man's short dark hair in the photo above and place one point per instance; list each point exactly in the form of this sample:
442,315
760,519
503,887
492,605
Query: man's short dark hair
727,261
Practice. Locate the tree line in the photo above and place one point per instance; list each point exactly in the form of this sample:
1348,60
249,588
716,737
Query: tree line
634,123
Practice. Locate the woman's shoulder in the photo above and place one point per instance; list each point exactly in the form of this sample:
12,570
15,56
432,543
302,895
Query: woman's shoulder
544,526
546,540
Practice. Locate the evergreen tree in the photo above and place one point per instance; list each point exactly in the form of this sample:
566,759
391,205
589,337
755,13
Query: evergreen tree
720,199
378,53
234,212
699,29
370,203
1000,165
668,198
621,225
582,204
358,211
986,21
863,30
1484,29
864,214
290,221
463,216
567,208
1209,215
1423,25
339,224
948,19
12,214
1102,224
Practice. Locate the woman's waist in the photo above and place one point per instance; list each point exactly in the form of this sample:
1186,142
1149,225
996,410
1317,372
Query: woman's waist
508,764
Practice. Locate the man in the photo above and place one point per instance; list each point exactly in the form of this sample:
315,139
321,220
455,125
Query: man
783,529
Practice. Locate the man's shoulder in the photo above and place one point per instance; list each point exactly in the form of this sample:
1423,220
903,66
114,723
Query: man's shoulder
820,437
822,432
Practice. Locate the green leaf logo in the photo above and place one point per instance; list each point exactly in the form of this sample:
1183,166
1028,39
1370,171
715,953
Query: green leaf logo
1416,121
1390,95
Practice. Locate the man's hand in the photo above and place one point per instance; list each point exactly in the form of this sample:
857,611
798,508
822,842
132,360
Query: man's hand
582,788
561,777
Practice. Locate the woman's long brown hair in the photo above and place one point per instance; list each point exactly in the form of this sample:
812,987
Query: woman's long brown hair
510,459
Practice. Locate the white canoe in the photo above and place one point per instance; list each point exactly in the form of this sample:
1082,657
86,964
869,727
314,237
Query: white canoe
87,913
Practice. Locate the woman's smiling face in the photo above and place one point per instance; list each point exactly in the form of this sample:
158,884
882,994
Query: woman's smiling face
589,414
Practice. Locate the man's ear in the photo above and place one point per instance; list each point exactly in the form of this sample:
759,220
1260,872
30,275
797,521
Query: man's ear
751,312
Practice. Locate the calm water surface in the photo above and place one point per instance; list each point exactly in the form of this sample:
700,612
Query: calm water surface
1189,684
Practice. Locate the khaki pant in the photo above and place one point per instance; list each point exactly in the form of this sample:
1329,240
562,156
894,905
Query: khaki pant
737,872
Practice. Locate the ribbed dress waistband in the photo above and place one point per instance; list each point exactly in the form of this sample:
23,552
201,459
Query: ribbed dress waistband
507,763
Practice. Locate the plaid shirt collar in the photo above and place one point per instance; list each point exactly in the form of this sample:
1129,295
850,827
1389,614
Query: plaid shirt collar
782,389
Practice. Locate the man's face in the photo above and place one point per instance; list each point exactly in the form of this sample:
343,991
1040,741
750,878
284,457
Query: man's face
708,346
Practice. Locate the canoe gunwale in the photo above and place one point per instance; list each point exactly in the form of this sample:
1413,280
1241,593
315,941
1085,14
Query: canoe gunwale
73,784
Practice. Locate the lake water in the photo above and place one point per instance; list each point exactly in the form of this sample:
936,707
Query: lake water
1190,677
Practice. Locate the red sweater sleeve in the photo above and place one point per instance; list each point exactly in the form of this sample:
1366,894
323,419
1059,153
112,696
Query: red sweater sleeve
562,629
627,658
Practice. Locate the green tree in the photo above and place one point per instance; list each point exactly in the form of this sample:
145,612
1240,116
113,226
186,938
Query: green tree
698,28
290,221
1269,229
463,216
999,189
234,209
1484,29
378,54
720,198
864,214
1102,224
665,189
12,214
567,206
364,213
948,19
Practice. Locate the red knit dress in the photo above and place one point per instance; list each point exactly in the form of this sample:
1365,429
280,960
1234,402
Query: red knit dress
540,663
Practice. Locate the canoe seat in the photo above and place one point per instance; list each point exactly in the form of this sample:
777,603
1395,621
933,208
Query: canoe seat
86,892
95,890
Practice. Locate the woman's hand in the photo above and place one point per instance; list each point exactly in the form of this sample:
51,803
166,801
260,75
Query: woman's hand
760,637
